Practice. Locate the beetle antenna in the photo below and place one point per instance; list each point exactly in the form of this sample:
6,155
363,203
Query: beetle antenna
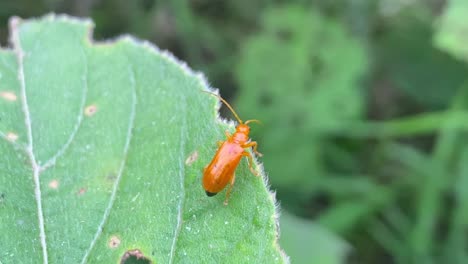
228,105
253,121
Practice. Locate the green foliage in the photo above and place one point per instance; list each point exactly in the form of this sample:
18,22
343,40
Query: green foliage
451,29
364,105
404,56
310,243
292,80
94,148
303,83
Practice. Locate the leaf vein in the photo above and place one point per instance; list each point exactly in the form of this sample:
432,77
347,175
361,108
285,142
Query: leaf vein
61,151
121,168
14,24
180,206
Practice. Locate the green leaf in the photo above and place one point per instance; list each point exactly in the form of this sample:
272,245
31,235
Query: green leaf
451,29
307,242
417,68
101,151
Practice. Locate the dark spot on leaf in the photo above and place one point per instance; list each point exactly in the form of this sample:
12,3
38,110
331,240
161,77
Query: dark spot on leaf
112,177
134,256
90,110
114,242
2,197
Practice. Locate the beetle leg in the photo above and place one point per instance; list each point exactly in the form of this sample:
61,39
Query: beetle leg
228,192
250,161
254,145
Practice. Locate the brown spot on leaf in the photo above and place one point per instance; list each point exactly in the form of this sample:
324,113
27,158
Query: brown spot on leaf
53,184
192,158
9,96
114,242
12,136
81,191
135,256
90,110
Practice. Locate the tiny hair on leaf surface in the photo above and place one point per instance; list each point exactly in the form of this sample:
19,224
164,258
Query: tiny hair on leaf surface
102,146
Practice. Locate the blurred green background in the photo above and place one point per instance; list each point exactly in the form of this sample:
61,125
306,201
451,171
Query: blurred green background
363,103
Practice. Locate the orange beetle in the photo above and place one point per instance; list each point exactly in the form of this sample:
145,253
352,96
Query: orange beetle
221,169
